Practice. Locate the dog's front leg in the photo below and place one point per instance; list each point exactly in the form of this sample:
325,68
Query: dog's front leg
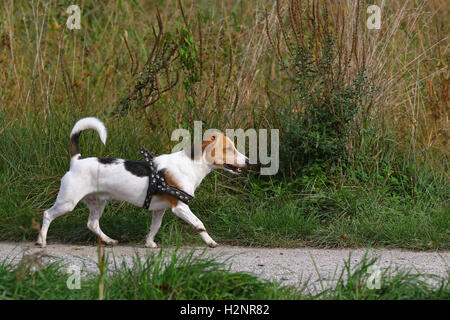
156,224
183,211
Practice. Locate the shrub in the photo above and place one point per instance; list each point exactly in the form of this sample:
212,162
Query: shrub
324,99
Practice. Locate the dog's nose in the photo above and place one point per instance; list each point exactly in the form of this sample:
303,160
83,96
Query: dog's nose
247,162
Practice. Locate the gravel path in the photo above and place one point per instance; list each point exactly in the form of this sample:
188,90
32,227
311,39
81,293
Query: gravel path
288,266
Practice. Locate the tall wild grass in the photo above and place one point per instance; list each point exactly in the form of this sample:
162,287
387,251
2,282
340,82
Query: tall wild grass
363,114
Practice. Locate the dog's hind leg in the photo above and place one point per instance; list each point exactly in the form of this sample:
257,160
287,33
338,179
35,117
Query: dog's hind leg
67,199
156,224
51,214
96,207
182,210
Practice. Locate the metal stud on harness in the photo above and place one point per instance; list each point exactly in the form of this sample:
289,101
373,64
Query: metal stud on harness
157,183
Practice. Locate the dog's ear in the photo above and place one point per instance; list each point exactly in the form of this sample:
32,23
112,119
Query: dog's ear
196,150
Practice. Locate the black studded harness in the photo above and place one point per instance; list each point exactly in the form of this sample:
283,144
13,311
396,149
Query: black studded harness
157,183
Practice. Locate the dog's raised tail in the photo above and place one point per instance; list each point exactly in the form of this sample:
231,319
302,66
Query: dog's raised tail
84,124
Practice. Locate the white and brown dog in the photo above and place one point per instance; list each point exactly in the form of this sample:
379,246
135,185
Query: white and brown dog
97,180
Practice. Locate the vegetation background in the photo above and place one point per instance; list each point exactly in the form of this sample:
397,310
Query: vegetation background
363,114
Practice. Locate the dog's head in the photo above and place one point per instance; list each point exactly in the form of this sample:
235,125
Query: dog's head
219,151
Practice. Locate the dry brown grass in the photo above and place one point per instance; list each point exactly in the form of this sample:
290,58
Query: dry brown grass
407,59
46,68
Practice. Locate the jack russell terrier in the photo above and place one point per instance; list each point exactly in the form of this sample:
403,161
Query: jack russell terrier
97,180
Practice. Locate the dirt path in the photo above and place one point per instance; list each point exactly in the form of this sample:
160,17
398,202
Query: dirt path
289,266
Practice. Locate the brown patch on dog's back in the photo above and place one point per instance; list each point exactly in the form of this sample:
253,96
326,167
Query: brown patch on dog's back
165,197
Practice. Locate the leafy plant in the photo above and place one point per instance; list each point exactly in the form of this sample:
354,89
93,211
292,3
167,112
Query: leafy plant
323,104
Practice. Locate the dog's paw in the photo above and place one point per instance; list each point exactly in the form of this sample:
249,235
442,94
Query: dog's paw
208,240
40,244
213,244
151,244
111,242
